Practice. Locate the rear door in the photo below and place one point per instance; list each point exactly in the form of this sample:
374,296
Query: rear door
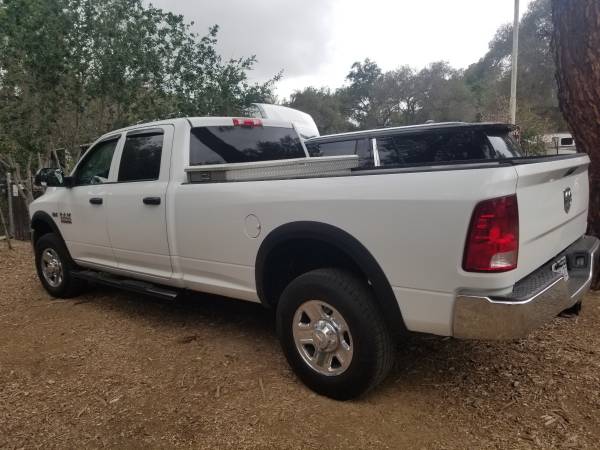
136,204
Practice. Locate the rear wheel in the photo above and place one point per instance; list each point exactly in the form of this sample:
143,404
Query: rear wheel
332,333
54,267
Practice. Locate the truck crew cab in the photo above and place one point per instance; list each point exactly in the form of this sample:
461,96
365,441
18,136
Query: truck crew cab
349,257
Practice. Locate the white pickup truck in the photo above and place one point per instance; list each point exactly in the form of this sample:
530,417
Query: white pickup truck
482,247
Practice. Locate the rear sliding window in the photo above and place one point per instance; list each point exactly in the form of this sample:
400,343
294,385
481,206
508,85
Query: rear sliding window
229,144
430,148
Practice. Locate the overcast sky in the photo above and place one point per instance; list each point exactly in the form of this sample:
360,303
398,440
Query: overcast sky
315,42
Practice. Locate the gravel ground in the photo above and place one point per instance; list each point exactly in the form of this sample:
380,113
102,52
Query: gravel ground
112,369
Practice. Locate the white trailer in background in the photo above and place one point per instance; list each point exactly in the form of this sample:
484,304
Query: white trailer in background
559,144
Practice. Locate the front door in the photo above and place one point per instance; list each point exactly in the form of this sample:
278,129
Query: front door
137,223
82,213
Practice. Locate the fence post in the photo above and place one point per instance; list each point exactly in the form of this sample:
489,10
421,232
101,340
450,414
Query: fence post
11,217
7,237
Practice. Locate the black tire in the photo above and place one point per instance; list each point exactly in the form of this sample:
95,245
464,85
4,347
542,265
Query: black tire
373,349
68,287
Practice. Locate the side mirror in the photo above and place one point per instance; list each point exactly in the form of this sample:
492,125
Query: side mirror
52,177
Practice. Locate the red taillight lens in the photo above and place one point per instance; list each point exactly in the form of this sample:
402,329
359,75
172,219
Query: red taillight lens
248,123
493,238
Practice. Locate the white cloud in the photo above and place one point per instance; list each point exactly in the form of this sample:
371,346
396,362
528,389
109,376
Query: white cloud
316,41
292,36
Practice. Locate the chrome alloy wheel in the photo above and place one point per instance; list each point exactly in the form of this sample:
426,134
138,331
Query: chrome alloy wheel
322,337
52,267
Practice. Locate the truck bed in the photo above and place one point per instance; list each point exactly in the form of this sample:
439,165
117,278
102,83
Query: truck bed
413,221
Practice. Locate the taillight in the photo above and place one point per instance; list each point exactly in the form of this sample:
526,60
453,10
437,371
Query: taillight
248,123
493,237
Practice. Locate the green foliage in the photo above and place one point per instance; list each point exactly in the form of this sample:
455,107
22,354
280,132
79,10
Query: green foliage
360,98
443,95
489,78
325,107
375,99
71,70
533,127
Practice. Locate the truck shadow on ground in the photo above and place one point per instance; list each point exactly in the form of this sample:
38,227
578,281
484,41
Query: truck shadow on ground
423,362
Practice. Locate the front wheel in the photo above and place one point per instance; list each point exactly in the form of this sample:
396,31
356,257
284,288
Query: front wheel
332,333
54,267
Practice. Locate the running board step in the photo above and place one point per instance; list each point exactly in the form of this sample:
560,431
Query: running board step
140,287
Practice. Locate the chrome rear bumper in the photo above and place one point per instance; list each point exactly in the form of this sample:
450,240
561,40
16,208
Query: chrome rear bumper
535,300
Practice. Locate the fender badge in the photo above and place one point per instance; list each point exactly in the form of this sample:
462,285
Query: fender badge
65,217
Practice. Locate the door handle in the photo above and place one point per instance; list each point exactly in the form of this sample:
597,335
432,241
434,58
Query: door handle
151,200
96,201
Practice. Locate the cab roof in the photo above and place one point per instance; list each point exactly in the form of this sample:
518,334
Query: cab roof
193,122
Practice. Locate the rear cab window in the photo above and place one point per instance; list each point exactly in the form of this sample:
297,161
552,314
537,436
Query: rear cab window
238,144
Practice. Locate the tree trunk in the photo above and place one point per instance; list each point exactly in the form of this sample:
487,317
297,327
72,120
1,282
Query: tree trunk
576,46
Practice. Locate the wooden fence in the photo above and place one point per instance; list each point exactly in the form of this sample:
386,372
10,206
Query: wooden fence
15,210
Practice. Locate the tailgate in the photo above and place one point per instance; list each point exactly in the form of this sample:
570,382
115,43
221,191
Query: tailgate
553,202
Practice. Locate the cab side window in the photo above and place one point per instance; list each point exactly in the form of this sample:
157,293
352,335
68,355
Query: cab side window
95,167
335,148
360,147
429,148
141,156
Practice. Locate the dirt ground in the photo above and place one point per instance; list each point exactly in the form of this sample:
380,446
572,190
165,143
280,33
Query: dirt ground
113,369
